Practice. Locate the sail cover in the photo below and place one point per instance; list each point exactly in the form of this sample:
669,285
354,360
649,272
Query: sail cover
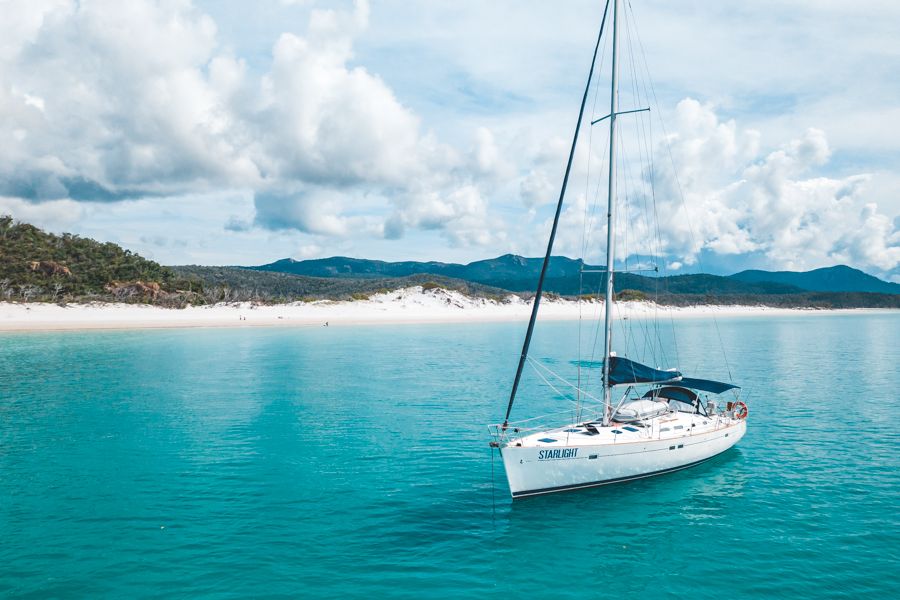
707,385
625,371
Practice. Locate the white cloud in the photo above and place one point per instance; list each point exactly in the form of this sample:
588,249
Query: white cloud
335,131
55,215
108,100
307,251
718,192
737,201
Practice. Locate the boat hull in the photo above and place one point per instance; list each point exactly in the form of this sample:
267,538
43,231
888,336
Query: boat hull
533,471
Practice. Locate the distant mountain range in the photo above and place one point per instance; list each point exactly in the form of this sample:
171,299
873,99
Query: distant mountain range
840,278
565,276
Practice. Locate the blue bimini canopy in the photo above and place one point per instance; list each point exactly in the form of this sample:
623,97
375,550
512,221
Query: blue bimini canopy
707,385
625,371
671,392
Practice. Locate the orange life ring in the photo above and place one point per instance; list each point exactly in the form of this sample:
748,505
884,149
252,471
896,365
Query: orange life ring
740,410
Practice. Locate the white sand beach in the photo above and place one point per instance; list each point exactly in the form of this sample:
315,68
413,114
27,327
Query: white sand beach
409,305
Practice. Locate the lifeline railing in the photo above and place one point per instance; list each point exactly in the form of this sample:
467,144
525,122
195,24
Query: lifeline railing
517,429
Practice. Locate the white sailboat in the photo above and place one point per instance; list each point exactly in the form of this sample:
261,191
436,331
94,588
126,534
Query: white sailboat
660,424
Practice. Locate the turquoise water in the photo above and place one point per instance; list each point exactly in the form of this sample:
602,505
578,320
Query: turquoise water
352,462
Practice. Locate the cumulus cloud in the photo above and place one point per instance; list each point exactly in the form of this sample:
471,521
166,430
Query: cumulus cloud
104,101
716,191
737,200
109,100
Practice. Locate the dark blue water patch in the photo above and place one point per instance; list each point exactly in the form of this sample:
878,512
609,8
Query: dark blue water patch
353,462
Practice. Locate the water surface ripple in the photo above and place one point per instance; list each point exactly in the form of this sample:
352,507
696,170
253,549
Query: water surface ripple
352,462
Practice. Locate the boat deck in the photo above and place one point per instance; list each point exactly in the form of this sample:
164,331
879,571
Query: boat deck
672,425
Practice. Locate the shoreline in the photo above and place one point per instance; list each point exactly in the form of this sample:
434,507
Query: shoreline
405,306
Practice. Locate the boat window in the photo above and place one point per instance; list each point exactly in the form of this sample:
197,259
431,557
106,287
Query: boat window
629,429
573,431
547,440
616,431
679,427
661,429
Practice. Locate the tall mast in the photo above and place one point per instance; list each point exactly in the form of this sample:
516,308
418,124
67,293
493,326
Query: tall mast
562,195
610,215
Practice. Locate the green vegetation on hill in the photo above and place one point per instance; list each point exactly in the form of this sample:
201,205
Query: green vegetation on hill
40,266
520,274
36,266
565,276
235,284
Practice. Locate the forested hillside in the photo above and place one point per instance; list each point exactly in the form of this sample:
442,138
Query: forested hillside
40,266
36,265
236,284
520,274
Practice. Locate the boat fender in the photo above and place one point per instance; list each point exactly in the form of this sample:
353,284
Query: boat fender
740,410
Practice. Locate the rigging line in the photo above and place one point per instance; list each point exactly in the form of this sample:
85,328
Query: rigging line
601,288
653,227
562,194
535,364
650,341
597,331
589,223
552,387
629,216
586,223
592,221
657,231
681,197
621,225
684,206
595,207
587,179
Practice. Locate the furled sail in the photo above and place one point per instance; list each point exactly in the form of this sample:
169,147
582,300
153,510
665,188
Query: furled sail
624,371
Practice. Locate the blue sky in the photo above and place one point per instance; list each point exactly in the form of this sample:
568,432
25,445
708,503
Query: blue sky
220,133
